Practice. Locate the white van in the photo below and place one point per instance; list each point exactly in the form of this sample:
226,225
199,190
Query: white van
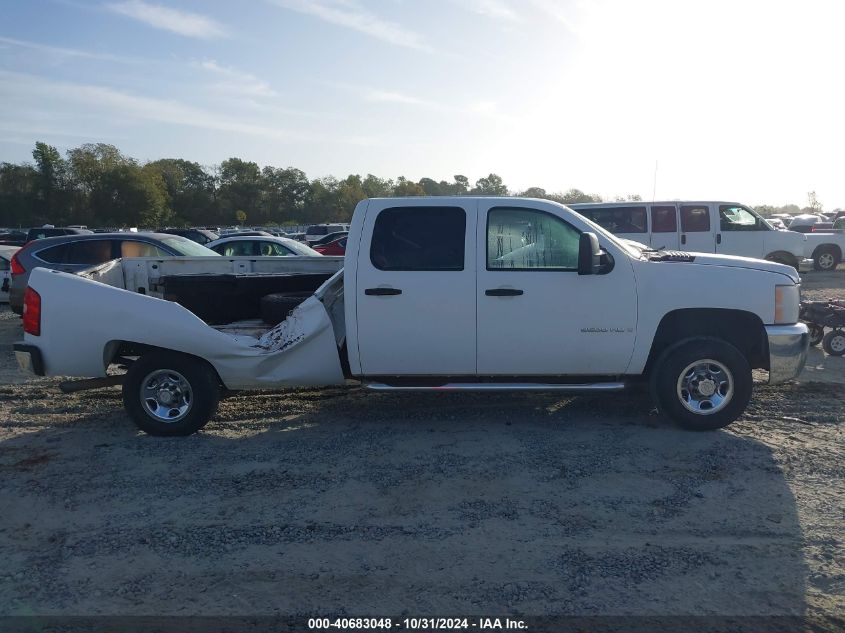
704,227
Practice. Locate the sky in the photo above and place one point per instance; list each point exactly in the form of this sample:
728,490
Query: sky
725,99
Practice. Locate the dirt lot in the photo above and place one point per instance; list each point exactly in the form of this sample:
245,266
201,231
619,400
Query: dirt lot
342,501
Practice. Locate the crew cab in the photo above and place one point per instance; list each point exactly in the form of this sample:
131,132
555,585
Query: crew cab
435,294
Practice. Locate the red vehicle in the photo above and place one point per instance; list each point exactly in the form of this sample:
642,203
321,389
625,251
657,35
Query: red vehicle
337,247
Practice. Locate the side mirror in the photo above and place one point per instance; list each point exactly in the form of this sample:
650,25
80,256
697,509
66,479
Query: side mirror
589,254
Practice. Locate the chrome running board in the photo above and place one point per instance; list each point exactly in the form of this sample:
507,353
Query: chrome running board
500,386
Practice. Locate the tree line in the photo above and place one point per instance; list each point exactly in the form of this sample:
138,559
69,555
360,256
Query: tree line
97,185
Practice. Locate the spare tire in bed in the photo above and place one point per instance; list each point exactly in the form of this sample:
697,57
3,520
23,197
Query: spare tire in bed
276,307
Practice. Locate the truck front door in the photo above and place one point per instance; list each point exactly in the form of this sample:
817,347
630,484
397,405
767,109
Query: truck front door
536,315
415,289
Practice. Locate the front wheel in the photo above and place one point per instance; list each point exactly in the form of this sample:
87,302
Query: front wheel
834,342
825,258
167,393
702,384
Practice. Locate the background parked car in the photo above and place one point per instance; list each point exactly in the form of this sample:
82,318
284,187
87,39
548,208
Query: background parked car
200,236
804,223
335,247
316,231
51,231
331,237
72,253
12,238
260,246
6,253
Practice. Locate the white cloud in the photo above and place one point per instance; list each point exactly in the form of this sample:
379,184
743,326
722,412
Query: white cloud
351,15
496,9
65,52
237,81
173,20
561,10
129,108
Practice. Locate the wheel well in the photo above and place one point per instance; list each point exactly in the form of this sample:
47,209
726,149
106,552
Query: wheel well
782,256
833,248
117,349
743,330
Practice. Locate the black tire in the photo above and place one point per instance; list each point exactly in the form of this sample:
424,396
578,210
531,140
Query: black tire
816,333
204,392
667,378
825,258
276,307
834,342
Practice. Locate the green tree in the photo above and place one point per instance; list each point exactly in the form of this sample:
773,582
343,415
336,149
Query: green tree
375,187
241,187
492,185
286,194
405,187
190,191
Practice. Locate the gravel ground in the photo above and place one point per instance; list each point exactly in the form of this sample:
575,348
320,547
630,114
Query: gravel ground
344,501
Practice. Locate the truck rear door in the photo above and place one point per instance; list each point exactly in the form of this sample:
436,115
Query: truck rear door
415,288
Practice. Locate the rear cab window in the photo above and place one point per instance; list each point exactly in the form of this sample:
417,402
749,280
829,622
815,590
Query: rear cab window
419,238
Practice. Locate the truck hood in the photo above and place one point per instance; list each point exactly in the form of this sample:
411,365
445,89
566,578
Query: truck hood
732,261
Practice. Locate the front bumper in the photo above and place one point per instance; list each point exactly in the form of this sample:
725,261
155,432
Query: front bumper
29,358
788,345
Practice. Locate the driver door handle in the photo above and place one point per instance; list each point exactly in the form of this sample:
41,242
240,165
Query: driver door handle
382,292
503,292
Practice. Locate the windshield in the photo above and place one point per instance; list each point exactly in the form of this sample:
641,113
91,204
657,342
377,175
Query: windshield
186,247
301,249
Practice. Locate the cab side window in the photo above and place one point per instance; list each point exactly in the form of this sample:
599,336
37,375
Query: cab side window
528,239
419,238
695,219
736,218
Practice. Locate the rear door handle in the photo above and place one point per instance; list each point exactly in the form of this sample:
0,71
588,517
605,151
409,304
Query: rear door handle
503,292
718,238
683,239
382,292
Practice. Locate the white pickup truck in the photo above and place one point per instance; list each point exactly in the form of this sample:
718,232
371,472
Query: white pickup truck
825,249
436,294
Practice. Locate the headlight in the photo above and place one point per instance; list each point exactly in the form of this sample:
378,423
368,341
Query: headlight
787,300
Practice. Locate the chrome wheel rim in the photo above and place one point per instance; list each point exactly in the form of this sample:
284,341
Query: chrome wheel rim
166,395
837,343
826,260
705,386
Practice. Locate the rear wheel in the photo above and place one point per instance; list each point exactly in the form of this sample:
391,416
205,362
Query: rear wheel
825,258
834,342
167,393
702,384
